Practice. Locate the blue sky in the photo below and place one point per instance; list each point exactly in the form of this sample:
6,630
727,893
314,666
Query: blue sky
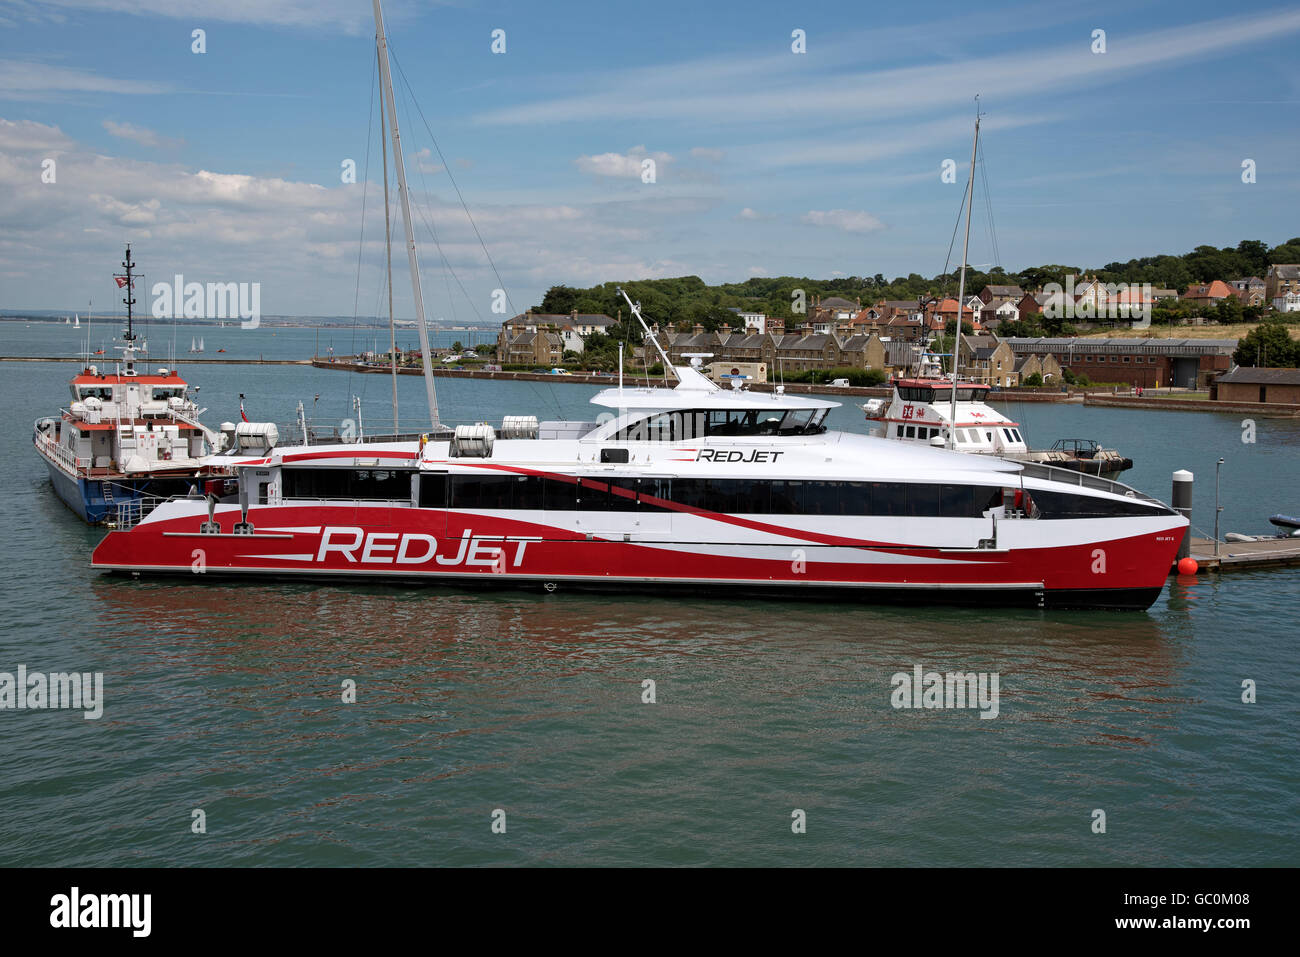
225,166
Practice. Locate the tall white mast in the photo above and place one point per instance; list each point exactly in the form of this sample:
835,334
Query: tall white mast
961,285
382,45
388,252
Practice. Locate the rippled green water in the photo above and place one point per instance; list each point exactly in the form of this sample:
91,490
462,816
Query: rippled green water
227,697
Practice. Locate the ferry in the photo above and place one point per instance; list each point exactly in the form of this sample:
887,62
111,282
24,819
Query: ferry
126,436
728,492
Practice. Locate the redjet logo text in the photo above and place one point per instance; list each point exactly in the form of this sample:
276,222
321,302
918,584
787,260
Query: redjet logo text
415,548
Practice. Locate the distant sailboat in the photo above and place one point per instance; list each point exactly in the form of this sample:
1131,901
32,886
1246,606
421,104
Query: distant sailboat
67,320
200,343
196,345
77,324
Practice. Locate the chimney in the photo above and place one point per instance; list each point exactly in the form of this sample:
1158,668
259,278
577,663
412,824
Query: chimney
697,329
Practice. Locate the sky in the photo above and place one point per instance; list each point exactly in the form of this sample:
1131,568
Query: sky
228,165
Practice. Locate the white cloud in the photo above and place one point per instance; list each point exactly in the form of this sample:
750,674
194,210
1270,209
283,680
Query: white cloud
620,165
748,213
35,80
764,90
849,220
756,271
138,134
347,14
707,153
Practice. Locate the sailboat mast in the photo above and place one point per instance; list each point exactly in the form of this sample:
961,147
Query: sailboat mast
961,285
382,45
388,251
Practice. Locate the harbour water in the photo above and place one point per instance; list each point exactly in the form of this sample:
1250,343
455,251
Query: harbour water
228,698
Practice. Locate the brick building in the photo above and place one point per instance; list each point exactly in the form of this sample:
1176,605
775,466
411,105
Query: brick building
1248,384
1150,363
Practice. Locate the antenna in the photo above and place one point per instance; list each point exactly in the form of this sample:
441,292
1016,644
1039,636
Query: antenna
636,311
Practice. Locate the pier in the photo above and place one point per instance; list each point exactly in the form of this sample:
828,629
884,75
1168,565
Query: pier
1244,556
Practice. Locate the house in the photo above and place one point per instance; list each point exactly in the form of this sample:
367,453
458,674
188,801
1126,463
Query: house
1028,305
582,324
1282,287
1248,384
988,359
1207,295
833,310
1044,365
541,348
990,294
755,321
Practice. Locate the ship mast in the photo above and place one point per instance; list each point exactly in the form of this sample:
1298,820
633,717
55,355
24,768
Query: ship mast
381,43
388,252
961,285
128,352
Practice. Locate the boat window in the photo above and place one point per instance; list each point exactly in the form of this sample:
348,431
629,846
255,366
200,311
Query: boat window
795,422
104,392
1068,505
910,432
973,435
163,393
727,496
368,485
1016,432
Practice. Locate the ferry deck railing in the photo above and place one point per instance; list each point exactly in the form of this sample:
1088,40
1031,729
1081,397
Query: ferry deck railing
1070,477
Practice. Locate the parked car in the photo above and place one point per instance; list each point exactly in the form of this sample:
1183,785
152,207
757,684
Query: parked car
560,372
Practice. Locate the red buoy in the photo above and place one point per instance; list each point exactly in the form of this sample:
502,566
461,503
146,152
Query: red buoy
1187,566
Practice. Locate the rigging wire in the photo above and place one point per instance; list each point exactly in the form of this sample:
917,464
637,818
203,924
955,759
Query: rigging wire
451,177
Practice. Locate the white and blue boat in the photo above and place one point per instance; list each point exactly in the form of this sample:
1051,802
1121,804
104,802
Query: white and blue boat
127,436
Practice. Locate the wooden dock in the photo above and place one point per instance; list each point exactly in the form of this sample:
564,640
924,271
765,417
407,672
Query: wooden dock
1240,556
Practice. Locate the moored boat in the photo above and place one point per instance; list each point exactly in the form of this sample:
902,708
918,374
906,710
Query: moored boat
126,436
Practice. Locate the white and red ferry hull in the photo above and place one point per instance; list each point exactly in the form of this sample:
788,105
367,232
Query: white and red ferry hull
871,558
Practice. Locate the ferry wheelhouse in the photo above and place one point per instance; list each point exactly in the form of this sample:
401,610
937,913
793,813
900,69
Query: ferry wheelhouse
126,436
694,487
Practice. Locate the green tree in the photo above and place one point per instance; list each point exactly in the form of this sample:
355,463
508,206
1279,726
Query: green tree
1268,345
1033,380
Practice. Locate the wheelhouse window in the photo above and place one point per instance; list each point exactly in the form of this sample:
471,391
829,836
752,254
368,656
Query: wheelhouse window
104,392
691,424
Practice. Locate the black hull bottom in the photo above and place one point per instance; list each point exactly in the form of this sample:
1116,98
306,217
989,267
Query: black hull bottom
1103,599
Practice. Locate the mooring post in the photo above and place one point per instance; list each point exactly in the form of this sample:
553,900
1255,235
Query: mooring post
1182,503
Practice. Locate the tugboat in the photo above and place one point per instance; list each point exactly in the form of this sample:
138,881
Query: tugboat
922,410
126,436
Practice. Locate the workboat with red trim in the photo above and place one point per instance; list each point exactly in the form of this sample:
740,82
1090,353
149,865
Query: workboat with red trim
693,487
126,436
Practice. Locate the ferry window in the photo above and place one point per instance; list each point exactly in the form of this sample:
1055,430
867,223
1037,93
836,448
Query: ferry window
973,435
377,485
168,392
923,500
888,498
371,485
1067,505
433,491
98,392
819,417
690,492
795,421
911,432
1016,433
988,437
562,494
